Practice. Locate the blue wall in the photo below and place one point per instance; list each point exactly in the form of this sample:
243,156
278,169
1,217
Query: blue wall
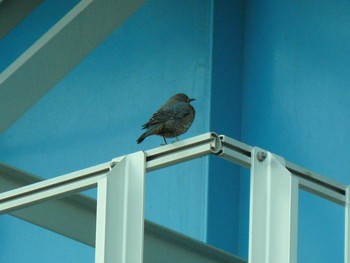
95,114
34,25
296,103
225,118
271,73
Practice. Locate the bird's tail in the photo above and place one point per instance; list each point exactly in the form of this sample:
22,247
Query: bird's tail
143,136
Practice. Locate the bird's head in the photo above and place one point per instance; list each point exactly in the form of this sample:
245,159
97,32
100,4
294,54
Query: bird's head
182,97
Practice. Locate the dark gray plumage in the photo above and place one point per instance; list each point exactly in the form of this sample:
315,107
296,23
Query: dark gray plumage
171,120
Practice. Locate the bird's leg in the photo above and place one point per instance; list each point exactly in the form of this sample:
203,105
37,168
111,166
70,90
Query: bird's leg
165,140
177,139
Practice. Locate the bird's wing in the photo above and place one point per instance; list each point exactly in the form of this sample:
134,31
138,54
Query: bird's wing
174,112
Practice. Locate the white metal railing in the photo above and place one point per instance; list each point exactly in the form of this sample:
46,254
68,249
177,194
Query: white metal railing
273,202
273,210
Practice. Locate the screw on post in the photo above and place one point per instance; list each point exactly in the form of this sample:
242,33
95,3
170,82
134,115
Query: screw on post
261,156
112,164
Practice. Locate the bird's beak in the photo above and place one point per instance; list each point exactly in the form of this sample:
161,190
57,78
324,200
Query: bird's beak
192,100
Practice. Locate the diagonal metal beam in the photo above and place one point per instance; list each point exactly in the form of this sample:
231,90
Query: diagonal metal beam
13,12
49,59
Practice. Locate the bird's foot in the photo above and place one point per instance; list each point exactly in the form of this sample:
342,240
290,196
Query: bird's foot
177,139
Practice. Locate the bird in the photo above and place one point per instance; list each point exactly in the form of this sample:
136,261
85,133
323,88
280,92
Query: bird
173,119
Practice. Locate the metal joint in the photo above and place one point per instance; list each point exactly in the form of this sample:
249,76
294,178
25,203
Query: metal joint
261,156
185,150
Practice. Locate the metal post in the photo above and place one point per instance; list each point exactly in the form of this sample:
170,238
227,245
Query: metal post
120,212
273,210
347,225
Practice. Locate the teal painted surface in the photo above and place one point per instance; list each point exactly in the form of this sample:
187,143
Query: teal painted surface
225,105
288,95
24,242
32,28
296,103
96,113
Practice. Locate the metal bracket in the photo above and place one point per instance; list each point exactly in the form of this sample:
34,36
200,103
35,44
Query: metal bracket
347,226
273,210
120,212
185,150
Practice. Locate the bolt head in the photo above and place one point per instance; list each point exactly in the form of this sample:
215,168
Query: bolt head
261,156
113,163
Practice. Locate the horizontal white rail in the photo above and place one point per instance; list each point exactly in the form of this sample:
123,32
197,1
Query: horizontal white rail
28,190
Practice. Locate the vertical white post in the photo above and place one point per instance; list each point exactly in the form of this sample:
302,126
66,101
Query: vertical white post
273,210
347,226
120,212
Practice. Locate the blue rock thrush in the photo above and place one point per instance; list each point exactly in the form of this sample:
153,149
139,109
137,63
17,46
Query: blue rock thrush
171,120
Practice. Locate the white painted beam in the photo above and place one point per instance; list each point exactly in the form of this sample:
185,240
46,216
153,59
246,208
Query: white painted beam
120,212
160,244
347,226
273,216
49,59
12,12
